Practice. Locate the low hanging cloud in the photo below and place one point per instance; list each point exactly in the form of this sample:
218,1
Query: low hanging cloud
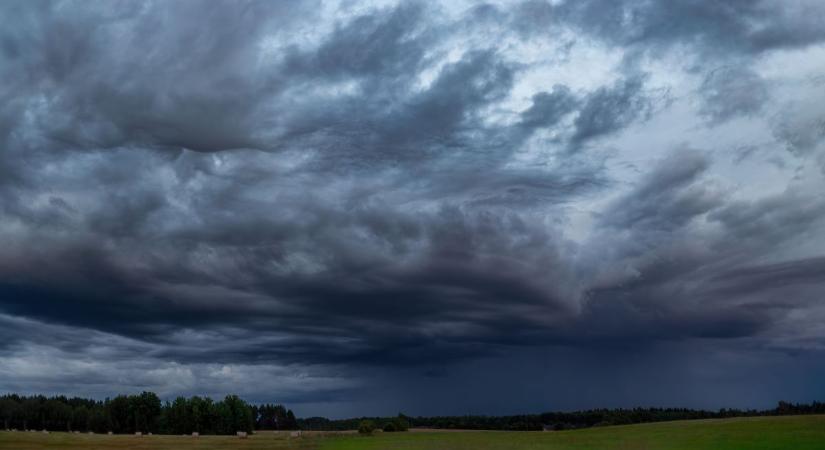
200,197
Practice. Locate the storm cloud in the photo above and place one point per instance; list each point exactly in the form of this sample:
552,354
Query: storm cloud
308,201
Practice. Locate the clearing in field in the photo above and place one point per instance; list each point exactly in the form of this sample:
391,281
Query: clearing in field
763,433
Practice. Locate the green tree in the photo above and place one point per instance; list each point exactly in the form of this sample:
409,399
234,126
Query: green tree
234,415
119,414
291,423
98,420
8,411
194,411
177,417
80,418
58,415
203,415
30,412
145,411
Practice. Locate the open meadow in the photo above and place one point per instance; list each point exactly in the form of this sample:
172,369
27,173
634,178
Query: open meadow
762,433
263,440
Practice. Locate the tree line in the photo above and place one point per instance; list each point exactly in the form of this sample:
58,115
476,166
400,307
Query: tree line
142,413
146,413
562,420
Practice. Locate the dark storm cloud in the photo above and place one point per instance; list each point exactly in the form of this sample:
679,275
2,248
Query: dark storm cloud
132,75
673,277
766,220
219,194
767,277
666,199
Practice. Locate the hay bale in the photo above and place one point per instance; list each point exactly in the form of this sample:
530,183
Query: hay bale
295,434
45,431
110,433
241,434
195,434
138,434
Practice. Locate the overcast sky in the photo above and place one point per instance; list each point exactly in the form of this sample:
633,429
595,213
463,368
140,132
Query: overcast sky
366,208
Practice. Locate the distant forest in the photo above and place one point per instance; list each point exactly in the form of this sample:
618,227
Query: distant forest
147,414
142,413
563,420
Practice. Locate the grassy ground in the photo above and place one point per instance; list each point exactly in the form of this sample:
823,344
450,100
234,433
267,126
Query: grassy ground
40,441
764,433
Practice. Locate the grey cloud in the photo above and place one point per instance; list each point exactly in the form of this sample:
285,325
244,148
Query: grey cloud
767,277
729,92
610,109
665,274
801,126
773,217
549,107
381,46
189,191
714,27
666,198
183,85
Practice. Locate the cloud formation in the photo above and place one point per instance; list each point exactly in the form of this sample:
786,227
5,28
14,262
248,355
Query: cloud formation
206,196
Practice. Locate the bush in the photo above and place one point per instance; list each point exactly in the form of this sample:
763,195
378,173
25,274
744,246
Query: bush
366,427
401,423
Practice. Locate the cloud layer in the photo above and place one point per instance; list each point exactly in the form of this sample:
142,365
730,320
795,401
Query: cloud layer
307,201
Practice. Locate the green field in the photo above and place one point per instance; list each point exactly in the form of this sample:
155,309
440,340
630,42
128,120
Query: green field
763,433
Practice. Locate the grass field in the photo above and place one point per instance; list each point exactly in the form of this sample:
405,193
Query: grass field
40,441
763,433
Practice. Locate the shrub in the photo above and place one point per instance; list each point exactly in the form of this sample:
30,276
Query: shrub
401,423
366,427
